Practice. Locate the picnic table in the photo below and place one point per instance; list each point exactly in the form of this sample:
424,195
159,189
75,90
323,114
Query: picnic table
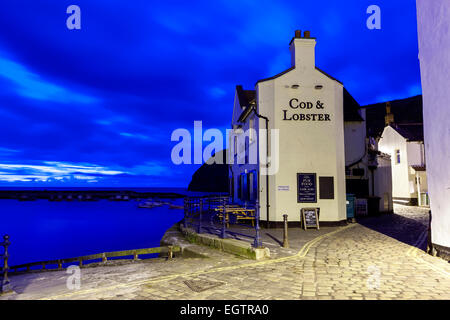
238,212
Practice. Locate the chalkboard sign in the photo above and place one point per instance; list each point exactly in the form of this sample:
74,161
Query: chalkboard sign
309,218
306,187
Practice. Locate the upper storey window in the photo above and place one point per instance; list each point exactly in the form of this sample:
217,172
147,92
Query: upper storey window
252,130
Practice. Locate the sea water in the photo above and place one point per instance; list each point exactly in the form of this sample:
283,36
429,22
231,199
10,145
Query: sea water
47,230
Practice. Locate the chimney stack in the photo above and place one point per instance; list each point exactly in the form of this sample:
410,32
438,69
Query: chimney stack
302,50
389,118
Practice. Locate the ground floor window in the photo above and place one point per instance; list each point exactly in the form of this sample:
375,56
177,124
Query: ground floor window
248,186
252,185
231,178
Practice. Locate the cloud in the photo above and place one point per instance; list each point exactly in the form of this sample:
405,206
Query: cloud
165,65
134,135
150,169
53,171
31,85
6,151
216,92
66,172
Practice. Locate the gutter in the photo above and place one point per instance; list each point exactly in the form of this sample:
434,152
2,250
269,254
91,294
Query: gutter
267,164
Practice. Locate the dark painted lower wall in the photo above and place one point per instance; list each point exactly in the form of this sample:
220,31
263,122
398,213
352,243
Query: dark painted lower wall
440,251
405,201
296,224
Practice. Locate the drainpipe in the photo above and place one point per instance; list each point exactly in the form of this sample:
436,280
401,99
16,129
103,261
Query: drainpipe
267,164
373,182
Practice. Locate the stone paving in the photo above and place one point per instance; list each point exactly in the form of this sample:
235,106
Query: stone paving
373,259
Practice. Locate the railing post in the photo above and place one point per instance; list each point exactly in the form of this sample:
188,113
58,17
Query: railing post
200,216
170,253
224,212
5,285
285,232
257,243
185,212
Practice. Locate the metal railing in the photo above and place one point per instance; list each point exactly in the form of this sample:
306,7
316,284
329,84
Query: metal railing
218,215
4,281
58,264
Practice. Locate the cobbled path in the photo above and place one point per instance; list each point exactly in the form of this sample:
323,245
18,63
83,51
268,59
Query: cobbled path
377,258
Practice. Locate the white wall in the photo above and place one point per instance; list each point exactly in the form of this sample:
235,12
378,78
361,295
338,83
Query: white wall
355,141
415,156
434,48
383,183
305,146
390,141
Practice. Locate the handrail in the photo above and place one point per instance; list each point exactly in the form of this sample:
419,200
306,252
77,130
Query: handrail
104,256
196,208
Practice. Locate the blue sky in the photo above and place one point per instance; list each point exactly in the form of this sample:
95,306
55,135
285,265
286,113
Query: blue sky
97,106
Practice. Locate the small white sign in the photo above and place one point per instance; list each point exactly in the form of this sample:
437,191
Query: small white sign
283,188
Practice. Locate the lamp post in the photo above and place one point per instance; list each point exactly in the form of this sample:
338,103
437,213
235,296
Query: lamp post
257,243
200,216
224,212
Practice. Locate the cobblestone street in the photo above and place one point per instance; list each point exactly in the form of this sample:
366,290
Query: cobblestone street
376,258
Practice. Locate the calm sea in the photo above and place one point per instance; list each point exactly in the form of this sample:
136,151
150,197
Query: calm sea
45,230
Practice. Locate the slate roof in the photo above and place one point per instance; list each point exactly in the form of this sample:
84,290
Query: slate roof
406,111
245,96
410,131
351,108
292,68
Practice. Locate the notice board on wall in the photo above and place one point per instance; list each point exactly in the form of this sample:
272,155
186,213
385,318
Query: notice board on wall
326,188
306,188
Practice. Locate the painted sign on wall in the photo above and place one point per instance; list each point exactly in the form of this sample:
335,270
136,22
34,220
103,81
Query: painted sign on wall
303,106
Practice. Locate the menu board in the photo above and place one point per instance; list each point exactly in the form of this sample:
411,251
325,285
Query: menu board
306,187
310,218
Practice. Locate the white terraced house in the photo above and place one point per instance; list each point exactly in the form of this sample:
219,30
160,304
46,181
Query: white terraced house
316,138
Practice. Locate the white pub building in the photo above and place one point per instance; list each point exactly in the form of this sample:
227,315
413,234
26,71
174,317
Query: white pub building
305,144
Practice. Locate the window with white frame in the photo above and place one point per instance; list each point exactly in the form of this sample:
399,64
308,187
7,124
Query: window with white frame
252,130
